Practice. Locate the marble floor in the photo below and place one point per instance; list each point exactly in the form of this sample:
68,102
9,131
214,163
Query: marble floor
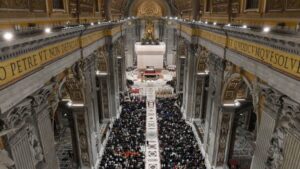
152,158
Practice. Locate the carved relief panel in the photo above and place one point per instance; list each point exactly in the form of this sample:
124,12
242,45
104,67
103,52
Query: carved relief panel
101,60
83,141
39,5
275,5
149,8
14,4
224,131
202,60
184,8
292,4
283,5
219,5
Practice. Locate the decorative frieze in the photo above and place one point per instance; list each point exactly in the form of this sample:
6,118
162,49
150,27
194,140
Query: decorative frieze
223,136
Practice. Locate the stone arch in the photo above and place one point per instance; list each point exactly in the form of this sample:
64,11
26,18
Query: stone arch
202,59
232,86
237,95
141,4
102,64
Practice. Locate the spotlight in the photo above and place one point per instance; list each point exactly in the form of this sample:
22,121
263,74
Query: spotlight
228,25
8,36
98,73
69,103
215,23
244,26
266,29
206,22
237,103
47,30
92,24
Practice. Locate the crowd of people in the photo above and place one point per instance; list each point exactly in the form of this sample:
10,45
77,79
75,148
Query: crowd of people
166,91
178,145
125,147
127,137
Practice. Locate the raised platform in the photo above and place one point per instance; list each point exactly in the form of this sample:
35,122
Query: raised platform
150,55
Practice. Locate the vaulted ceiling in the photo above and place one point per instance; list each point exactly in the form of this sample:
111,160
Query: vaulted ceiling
119,8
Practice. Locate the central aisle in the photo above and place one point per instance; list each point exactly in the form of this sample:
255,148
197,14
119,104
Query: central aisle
152,158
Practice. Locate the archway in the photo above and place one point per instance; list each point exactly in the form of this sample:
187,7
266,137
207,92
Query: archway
65,131
152,8
240,146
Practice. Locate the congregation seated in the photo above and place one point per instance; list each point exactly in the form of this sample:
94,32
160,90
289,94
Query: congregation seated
166,91
123,149
178,145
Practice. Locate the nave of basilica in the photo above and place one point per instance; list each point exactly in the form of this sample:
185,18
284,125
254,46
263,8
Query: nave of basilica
154,84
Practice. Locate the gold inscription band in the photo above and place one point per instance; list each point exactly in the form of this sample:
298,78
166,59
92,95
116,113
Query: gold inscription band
282,61
15,68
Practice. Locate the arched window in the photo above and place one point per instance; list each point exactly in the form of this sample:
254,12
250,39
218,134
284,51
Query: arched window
252,4
58,4
96,6
207,6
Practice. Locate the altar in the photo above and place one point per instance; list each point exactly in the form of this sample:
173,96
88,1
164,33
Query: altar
150,55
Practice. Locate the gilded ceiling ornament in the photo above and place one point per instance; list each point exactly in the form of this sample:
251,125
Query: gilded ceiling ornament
149,8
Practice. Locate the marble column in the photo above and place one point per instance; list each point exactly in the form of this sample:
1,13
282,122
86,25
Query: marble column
103,98
81,86
180,64
185,85
170,39
213,110
112,83
180,68
131,37
107,9
271,106
195,9
121,74
91,104
199,98
190,83
103,85
284,140
29,133
42,110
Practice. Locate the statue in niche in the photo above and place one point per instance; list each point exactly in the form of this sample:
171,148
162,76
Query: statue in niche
149,34
149,30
